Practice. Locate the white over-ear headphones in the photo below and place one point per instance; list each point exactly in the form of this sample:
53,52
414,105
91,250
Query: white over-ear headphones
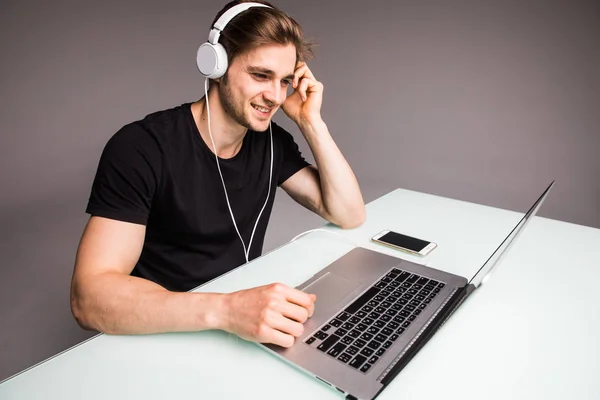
211,57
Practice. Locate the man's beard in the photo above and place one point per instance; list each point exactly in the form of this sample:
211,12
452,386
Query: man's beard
231,108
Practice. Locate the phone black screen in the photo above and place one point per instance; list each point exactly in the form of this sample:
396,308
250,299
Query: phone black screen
404,241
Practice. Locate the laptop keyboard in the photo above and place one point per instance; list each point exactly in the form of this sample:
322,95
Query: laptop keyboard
359,335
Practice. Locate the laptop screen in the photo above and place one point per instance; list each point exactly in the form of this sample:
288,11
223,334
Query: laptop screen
484,272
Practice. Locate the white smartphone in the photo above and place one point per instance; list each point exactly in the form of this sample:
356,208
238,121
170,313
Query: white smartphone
405,243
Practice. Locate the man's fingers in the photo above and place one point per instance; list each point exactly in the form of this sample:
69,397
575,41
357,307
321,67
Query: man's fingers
277,337
295,312
287,326
298,297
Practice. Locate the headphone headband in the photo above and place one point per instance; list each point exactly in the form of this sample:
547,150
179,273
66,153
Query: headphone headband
211,57
215,32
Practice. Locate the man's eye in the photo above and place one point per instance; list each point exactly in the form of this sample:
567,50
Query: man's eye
286,83
260,76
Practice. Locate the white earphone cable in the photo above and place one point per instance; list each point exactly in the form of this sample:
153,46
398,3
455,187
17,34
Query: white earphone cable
246,251
324,230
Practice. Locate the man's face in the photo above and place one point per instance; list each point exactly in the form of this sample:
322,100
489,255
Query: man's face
256,84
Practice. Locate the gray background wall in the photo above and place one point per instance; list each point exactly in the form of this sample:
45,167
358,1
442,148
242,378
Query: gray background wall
479,101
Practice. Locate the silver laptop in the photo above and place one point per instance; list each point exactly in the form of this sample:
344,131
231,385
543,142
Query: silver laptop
376,312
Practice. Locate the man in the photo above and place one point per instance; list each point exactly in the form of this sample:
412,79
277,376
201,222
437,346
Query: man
167,214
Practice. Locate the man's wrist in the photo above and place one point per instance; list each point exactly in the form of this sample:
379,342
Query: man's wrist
212,311
312,126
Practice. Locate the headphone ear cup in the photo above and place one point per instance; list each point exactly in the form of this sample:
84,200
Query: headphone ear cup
211,60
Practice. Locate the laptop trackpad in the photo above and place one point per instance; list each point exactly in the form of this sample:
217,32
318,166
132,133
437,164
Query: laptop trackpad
330,290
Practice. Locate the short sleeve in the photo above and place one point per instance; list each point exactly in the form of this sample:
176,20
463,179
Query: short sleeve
292,159
127,176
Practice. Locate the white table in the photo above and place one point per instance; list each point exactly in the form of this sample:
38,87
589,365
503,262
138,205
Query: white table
530,332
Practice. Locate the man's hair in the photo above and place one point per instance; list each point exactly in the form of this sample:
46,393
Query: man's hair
259,26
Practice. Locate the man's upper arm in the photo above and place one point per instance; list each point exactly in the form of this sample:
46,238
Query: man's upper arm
305,188
108,245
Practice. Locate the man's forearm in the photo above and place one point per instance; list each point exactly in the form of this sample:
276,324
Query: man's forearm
120,304
340,191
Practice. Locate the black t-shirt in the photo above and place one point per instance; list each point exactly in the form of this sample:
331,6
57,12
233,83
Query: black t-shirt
159,172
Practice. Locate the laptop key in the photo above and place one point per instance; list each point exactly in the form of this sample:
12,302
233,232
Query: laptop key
310,340
361,314
397,307
373,330
393,325
381,338
362,300
388,331
336,322
441,285
359,343
367,352
380,352
367,309
380,310
394,337
347,325
325,328
372,303
386,304
417,311
429,287
400,330
327,343
386,318
347,340
419,297
380,285
354,320
352,350
386,279
412,317
368,321
374,315
423,281
366,336
378,298
388,344
413,278
336,350
343,316
341,332
394,284
399,319
406,324
373,359
379,324
402,277
345,357
321,335
409,307
422,306
374,344
361,327
365,367
393,298
354,333
391,312
357,361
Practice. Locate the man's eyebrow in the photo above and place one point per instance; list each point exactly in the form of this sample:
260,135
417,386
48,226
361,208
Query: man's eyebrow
268,72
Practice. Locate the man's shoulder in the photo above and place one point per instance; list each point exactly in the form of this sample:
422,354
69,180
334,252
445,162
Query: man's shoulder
154,128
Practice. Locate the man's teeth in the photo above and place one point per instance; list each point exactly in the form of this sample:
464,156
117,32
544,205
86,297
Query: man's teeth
265,110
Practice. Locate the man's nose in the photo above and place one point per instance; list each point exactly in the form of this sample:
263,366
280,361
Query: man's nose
275,93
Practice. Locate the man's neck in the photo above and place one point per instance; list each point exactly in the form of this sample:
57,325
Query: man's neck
227,134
